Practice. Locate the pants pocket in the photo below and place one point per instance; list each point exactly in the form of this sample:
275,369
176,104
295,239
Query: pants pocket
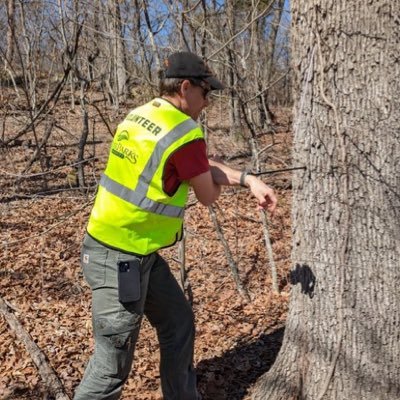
93,261
115,344
116,333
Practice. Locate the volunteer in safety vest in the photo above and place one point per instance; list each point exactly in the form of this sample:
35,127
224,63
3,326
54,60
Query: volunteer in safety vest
157,153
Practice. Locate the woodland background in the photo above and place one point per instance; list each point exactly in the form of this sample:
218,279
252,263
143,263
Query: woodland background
70,72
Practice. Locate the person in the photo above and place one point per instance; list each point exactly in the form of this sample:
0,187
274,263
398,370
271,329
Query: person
157,153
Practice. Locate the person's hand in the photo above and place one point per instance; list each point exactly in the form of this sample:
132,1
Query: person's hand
263,193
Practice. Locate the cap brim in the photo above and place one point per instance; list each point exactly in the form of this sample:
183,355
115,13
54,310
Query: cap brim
214,83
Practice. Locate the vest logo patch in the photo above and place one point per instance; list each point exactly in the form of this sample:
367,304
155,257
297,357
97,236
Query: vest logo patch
121,151
124,135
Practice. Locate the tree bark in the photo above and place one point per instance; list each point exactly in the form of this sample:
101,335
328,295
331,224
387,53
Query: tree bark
9,57
151,36
342,333
266,118
118,51
233,75
82,143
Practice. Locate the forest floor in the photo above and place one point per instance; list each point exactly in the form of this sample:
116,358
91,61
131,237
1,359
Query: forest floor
43,220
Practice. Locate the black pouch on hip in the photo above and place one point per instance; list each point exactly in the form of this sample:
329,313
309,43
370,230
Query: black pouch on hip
129,280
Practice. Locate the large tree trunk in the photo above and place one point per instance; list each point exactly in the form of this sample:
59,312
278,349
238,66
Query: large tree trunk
343,328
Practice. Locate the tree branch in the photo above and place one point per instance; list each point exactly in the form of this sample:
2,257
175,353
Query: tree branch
47,373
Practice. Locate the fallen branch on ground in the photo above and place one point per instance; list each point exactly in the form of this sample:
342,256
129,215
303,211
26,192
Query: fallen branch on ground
47,373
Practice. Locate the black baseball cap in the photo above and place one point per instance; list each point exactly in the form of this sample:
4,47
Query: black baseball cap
184,64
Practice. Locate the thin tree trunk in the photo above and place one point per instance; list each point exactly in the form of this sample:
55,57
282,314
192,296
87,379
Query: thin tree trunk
145,68
10,37
118,67
81,147
233,84
265,113
234,109
151,36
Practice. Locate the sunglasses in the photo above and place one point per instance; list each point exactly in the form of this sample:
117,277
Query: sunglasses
201,84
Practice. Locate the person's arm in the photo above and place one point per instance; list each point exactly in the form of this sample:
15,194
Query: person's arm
190,163
227,176
205,189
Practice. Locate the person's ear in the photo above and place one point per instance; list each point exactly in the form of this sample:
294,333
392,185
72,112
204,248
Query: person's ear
184,87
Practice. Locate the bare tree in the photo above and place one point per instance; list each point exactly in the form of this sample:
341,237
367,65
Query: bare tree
120,77
233,76
151,34
342,333
116,82
9,57
265,115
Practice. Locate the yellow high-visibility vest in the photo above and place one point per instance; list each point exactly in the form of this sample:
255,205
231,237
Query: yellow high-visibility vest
131,212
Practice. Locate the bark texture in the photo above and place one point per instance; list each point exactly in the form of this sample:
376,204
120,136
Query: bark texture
343,329
9,56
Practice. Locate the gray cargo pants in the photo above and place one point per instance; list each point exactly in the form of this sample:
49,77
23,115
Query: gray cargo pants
116,326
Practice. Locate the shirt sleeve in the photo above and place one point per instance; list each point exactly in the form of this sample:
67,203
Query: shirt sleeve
185,163
190,160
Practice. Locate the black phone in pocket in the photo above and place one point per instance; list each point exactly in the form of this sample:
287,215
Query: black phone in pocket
129,280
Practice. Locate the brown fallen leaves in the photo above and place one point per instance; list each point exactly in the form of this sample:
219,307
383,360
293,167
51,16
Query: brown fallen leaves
41,278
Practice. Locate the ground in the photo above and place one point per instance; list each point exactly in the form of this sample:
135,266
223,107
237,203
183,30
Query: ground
43,220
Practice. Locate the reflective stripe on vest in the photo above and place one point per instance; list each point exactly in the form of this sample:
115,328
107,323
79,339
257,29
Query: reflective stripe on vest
139,199
138,196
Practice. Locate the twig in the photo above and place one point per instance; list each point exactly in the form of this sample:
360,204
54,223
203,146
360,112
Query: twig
103,119
275,171
266,88
268,245
46,194
82,144
9,305
40,146
228,254
256,161
26,176
191,9
46,372
54,95
257,17
185,283
267,147
47,230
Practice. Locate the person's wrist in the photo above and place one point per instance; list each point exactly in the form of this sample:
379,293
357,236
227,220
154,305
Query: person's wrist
242,179
245,179
250,180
